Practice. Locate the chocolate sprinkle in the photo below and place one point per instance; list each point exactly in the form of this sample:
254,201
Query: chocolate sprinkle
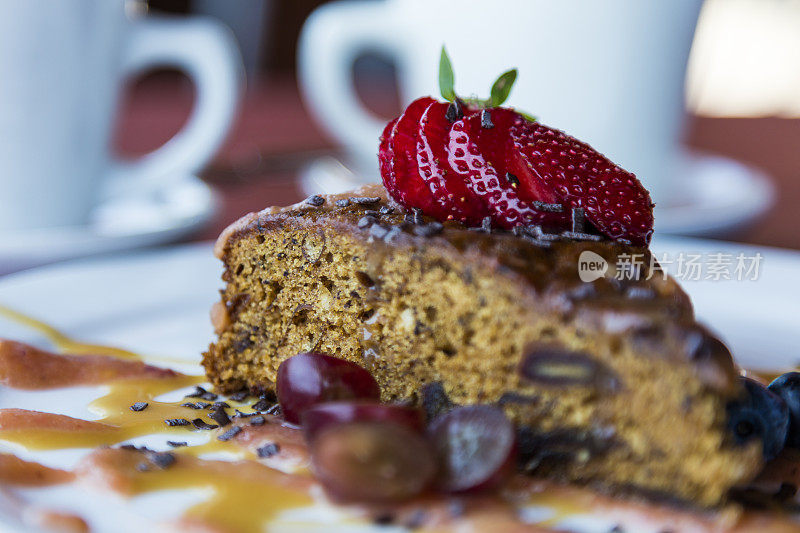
261,405
228,435
139,406
574,235
544,207
378,231
578,219
268,450
219,416
274,410
239,414
239,396
344,202
365,200
428,230
162,459
365,222
258,420
486,119
386,210
454,111
216,405
195,405
514,181
435,400
209,396
176,422
198,392
199,423
315,200
177,443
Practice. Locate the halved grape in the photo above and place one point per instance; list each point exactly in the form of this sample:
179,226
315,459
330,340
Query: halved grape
476,448
307,379
372,461
320,416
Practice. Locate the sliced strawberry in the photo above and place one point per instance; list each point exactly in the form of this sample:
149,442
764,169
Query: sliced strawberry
398,157
454,199
483,158
615,201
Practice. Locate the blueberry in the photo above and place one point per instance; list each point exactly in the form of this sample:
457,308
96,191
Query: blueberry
787,387
762,414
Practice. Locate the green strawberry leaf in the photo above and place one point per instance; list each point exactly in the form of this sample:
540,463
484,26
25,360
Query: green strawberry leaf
527,116
502,87
446,77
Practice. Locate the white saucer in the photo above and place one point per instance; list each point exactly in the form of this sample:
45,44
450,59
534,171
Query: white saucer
713,195
162,216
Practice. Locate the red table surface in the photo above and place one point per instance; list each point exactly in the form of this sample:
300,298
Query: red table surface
274,134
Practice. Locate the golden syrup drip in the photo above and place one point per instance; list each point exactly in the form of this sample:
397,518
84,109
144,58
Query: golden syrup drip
245,496
117,421
63,342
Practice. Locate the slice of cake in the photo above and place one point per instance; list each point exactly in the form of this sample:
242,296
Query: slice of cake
613,380
503,262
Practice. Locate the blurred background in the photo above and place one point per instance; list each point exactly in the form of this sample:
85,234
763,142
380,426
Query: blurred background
294,88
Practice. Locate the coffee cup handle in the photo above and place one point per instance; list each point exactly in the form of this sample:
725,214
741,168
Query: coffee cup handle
206,51
331,40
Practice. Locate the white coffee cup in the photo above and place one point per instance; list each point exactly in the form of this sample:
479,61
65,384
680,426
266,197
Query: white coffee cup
609,72
62,64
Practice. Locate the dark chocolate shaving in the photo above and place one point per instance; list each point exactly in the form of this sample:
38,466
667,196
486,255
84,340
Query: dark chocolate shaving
268,450
139,406
162,459
199,423
545,207
219,416
486,119
365,200
228,435
257,420
177,422
239,396
195,405
315,200
261,405
578,220
435,400
344,202
454,111
366,221
177,443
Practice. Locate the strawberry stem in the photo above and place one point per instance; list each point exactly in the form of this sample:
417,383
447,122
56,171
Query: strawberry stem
500,91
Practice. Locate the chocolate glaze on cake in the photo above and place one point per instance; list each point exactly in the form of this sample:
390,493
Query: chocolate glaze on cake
612,382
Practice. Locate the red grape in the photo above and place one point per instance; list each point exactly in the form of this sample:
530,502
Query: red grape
476,447
326,414
307,379
372,461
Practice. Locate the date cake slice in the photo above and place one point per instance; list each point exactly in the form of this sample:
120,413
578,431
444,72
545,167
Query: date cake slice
612,382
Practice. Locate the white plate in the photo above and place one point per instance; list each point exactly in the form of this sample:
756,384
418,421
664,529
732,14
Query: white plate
157,303
163,215
713,196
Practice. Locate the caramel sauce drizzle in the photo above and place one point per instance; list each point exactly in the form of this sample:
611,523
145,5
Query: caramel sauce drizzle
249,492
246,494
